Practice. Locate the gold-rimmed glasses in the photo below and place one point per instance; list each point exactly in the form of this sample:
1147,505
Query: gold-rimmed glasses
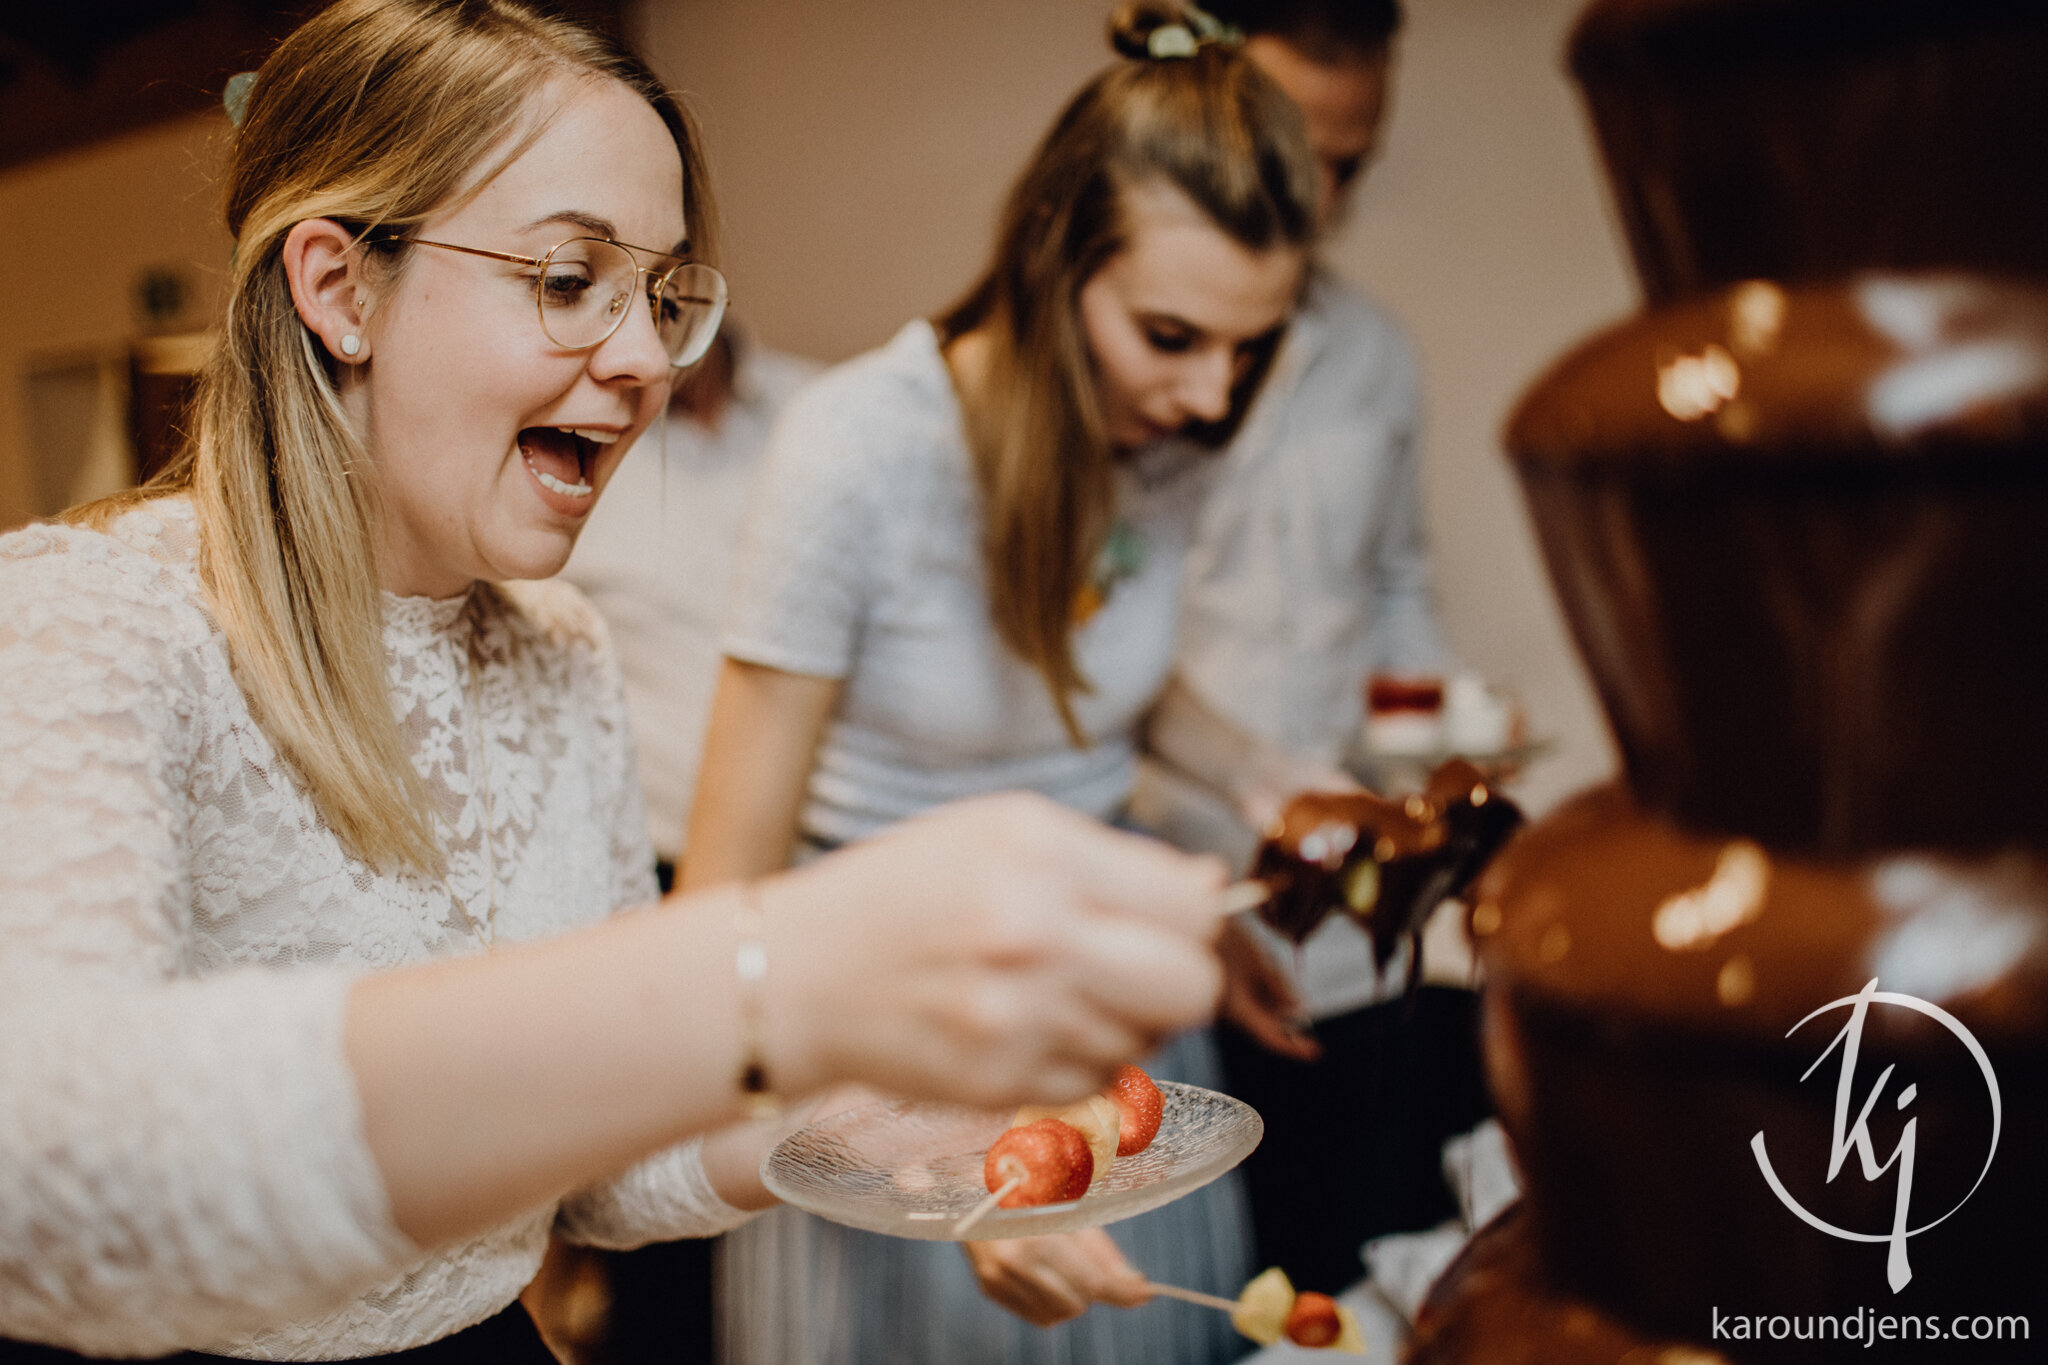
585,285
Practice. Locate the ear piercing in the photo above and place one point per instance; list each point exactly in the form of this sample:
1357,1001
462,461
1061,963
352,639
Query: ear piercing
351,345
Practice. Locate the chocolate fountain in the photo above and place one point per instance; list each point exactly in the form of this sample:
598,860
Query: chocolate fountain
1797,513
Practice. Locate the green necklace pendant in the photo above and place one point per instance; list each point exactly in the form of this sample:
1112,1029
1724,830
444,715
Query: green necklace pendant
1122,556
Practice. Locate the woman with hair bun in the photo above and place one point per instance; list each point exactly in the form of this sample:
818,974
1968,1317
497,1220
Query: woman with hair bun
960,575
317,1013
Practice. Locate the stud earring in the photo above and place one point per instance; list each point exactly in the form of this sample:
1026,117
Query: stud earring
351,344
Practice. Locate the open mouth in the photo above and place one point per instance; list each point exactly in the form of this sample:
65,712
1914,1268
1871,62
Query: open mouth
562,458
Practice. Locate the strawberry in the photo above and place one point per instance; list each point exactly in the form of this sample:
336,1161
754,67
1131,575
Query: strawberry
1313,1320
1139,1105
1096,1118
1051,1157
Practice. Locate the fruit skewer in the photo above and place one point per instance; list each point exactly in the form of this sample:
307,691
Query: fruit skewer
1269,1308
982,1210
1047,1156
1195,1296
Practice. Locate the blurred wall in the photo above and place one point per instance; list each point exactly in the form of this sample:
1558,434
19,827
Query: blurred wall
77,232
861,149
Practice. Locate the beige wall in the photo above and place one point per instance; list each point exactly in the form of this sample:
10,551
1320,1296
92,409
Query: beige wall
76,230
861,150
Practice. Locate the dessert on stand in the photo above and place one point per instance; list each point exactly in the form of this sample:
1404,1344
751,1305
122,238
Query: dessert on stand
1415,724
1767,1020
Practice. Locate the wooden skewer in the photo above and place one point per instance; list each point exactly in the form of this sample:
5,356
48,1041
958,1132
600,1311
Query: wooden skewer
981,1210
1173,1291
1245,895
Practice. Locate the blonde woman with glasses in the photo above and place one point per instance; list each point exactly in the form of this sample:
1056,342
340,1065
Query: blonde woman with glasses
317,1013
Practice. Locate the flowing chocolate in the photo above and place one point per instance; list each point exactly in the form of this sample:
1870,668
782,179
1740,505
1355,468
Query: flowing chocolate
1384,863
1796,533
1493,1305
1793,513
1646,992
1754,139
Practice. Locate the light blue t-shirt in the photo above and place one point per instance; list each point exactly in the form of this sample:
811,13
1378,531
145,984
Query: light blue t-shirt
861,560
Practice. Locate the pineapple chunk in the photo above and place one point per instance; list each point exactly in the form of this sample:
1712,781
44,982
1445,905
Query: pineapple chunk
1351,1340
1263,1306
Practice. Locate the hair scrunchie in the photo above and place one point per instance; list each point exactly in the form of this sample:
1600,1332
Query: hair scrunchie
1185,40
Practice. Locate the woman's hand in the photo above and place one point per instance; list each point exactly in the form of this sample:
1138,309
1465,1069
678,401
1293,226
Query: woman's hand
1047,1280
993,952
1258,997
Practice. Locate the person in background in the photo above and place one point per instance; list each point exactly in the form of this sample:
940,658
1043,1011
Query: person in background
332,973
657,554
654,560
962,575
1309,572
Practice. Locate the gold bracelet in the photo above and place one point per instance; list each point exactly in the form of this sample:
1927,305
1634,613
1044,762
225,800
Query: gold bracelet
750,965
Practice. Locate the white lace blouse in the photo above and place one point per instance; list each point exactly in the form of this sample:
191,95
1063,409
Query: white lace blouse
181,1162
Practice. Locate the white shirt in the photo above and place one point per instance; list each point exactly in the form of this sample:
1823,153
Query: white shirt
655,560
1310,568
862,561
197,1174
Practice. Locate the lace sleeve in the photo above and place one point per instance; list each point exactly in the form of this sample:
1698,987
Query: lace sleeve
101,689
178,1162
663,1198
183,1164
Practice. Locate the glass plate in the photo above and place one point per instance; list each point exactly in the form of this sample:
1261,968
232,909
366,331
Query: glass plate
914,1170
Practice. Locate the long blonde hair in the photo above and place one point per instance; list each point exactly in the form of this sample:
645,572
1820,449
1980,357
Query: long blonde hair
374,113
1211,126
